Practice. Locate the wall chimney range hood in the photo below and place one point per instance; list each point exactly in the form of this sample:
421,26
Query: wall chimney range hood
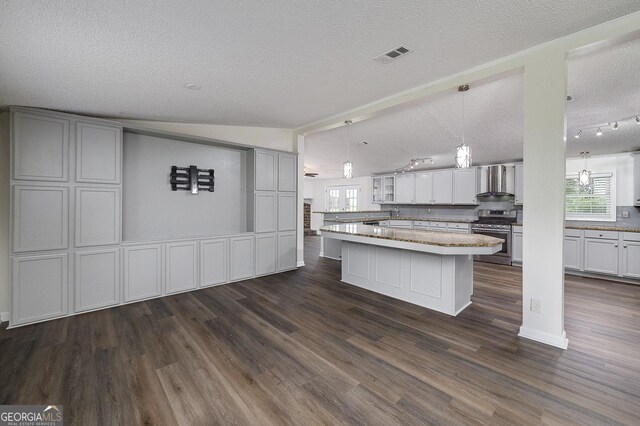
497,181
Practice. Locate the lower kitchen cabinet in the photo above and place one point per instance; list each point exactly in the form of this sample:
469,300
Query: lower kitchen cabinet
40,287
601,256
181,266
241,258
97,279
516,244
286,251
213,262
573,252
142,272
631,258
266,254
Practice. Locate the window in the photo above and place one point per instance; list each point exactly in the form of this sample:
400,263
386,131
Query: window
342,198
594,202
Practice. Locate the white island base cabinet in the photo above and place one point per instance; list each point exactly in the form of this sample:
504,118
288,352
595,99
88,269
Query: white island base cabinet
441,283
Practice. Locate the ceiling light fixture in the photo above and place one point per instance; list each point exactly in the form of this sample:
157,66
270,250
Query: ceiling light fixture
599,132
637,119
584,177
347,166
193,86
614,126
463,152
577,136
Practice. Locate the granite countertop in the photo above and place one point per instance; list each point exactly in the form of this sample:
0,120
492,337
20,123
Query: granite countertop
442,239
358,211
424,219
590,227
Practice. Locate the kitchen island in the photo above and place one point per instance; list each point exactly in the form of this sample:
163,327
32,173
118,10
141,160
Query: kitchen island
430,269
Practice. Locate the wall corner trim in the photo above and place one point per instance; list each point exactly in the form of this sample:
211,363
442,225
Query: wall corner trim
4,316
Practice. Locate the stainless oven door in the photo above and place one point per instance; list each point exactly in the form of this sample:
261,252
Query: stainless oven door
504,255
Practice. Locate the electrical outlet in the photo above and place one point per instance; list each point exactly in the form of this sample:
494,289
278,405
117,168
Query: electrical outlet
625,214
536,305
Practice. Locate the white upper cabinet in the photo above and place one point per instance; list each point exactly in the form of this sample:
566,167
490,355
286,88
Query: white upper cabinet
465,186
424,188
443,187
287,177
405,188
636,178
266,166
266,212
287,212
377,192
98,153
519,184
40,218
40,147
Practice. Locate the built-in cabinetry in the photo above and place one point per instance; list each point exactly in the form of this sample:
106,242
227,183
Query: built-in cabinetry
519,187
603,252
441,187
383,189
67,253
461,227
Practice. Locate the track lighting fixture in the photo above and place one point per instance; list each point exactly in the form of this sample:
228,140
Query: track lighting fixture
614,126
413,163
599,132
577,136
637,119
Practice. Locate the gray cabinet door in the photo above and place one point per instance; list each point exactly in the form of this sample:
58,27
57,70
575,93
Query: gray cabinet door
40,147
97,279
465,186
405,188
39,288
287,177
519,189
573,253
181,266
241,258
98,153
213,262
287,212
601,256
516,247
424,188
266,166
142,272
266,254
631,259
287,251
266,212
443,187
40,218
97,216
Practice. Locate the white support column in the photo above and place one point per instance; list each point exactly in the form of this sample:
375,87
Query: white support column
299,148
545,90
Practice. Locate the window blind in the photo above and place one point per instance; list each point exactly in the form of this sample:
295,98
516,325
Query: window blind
593,202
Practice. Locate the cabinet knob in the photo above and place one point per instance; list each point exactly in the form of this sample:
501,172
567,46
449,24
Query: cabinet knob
625,246
616,245
601,235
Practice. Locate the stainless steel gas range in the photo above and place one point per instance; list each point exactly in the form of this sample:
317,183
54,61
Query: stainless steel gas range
495,223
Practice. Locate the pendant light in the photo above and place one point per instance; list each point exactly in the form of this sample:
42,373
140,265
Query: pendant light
463,152
347,166
584,177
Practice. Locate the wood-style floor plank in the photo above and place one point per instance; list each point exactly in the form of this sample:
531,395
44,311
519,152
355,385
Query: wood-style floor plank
303,348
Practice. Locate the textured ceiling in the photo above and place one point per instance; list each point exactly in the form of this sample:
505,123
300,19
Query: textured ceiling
604,85
275,63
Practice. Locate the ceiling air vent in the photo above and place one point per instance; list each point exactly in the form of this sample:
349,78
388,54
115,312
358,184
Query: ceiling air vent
389,56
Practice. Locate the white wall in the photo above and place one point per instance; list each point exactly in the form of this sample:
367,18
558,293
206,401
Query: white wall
621,163
319,186
4,216
151,210
265,137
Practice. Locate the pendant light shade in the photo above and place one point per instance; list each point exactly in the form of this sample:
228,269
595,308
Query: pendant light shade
584,177
463,156
463,152
347,166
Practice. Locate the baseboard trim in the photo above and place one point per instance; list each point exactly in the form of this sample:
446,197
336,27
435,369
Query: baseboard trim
300,264
4,316
560,341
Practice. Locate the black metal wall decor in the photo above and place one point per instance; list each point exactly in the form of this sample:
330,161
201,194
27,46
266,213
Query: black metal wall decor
192,179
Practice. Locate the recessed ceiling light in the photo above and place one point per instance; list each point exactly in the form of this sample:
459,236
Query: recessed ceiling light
569,98
192,86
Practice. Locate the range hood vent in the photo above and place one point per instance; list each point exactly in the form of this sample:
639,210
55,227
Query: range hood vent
497,181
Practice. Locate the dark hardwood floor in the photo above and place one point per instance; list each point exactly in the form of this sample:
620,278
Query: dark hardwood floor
303,348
